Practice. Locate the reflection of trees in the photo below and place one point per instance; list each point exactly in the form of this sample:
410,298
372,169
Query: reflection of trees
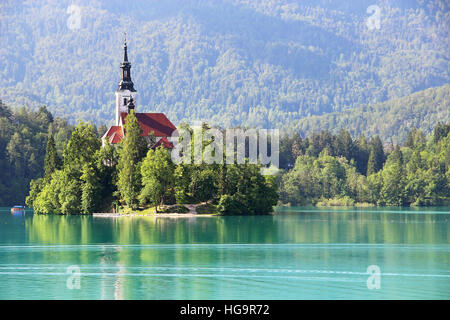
51,229
360,227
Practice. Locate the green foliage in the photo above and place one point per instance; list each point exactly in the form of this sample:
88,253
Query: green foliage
35,188
90,190
76,187
106,166
182,175
325,177
441,131
393,176
81,147
417,174
376,156
231,204
204,183
157,172
345,201
371,163
130,155
174,209
24,135
52,161
207,208
250,193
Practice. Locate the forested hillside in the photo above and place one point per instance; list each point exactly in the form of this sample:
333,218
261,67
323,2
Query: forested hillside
261,63
23,138
336,170
391,120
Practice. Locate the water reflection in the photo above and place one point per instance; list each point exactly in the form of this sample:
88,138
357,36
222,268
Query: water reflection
303,227
297,254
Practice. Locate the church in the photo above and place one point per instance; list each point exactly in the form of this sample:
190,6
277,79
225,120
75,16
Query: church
157,123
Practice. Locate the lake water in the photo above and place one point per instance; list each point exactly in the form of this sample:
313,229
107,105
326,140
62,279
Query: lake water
300,253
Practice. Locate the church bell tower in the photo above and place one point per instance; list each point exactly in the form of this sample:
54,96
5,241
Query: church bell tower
126,94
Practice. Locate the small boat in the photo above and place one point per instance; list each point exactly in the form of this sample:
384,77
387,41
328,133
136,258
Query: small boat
18,210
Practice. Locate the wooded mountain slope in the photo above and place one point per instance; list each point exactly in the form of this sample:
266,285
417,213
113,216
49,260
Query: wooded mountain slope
262,63
391,120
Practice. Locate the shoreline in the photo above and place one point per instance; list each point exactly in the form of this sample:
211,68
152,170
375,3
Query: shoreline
155,215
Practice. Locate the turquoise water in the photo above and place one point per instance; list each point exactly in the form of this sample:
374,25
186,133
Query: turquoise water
300,253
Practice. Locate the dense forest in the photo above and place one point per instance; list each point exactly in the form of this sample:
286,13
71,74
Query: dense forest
265,63
23,138
339,170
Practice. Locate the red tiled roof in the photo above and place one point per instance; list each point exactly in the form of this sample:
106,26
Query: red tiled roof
114,134
115,138
156,122
164,142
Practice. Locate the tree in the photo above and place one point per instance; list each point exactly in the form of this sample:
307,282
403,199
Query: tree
440,131
90,189
250,193
344,145
362,155
74,188
130,154
157,172
52,161
232,204
81,147
393,177
415,138
35,188
106,167
376,156
371,163
206,184
182,176
69,192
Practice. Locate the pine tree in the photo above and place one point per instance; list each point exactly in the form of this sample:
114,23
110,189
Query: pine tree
371,163
52,161
376,156
344,145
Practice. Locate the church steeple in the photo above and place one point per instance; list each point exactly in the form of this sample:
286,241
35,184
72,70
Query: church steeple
125,53
126,94
125,78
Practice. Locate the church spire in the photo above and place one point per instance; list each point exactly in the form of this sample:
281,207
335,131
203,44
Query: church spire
125,53
125,79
